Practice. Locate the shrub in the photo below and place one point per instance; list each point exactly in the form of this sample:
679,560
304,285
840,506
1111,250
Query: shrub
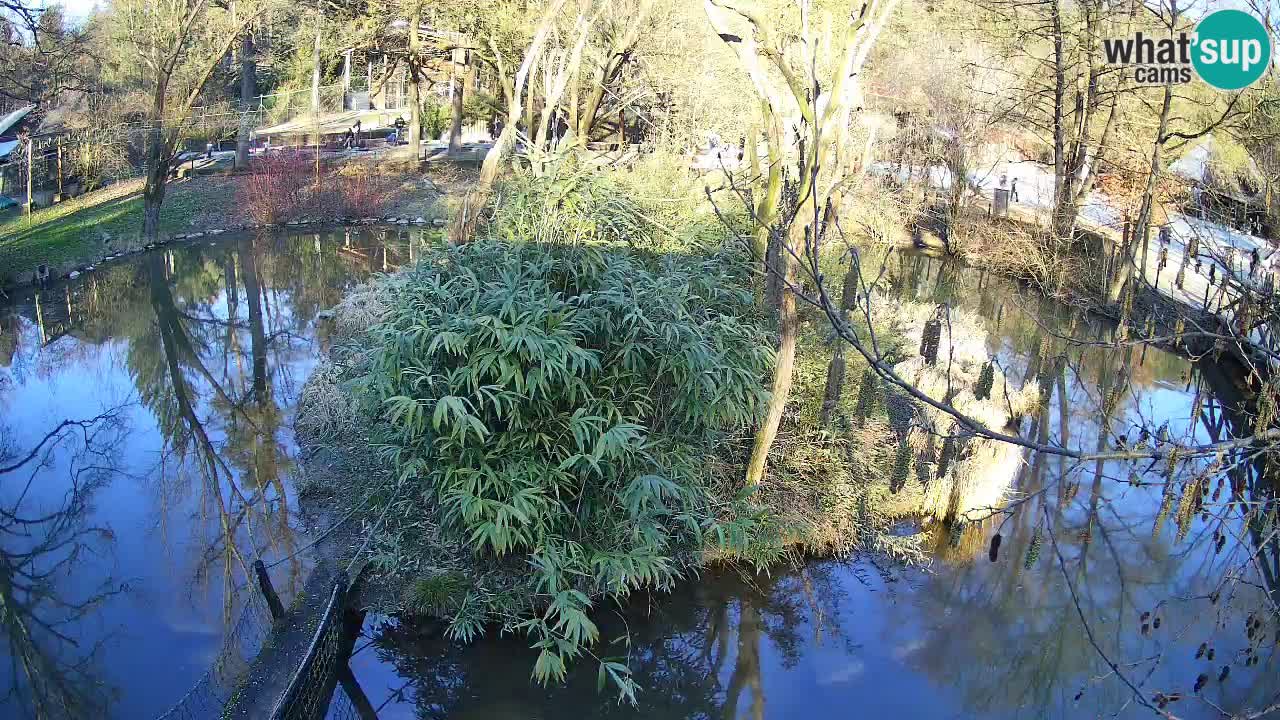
277,188
567,204
354,192
560,405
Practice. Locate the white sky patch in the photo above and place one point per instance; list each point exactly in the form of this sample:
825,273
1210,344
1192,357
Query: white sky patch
78,10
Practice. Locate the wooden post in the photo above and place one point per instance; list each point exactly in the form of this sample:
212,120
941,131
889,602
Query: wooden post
40,321
30,174
61,196
346,71
268,591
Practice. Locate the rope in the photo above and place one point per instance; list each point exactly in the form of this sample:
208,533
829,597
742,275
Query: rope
322,535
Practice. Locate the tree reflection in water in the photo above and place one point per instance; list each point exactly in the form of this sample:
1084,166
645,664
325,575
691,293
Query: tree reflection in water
1138,566
50,671
210,343
696,652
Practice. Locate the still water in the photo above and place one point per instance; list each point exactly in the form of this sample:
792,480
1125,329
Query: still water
126,543
965,638
127,540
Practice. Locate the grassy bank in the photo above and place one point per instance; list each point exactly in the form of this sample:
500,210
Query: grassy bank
107,221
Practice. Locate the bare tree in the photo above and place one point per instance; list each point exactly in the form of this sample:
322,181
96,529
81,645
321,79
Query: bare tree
820,105
177,45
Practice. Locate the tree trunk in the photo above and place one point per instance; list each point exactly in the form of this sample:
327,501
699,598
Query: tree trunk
465,219
248,89
315,67
1059,129
1141,228
766,209
157,165
415,86
788,331
455,125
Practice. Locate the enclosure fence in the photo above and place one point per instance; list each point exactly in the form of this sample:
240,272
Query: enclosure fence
311,691
240,646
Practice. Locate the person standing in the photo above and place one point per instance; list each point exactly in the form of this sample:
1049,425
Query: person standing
1013,191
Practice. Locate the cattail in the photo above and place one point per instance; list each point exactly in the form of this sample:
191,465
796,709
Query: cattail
1033,550
1112,400
1222,676
868,396
1166,504
946,456
1187,508
1201,681
986,379
901,466
929,340
993,554
1200,651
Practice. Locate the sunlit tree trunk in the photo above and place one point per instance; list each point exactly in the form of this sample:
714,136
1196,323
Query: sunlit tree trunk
415,81
1141,228
465,219
455,121
316,61
248,89
784,364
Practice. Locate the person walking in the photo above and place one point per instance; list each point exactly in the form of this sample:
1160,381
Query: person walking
1013,191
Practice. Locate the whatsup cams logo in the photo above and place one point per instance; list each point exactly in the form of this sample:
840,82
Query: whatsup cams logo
1229,50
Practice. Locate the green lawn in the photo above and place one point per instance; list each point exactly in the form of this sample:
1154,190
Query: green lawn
73,231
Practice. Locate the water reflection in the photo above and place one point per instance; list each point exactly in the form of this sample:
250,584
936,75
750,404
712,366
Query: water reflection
199,353
42,545
1103,580
703,651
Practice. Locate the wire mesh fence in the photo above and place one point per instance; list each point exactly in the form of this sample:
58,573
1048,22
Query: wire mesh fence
286,106
312,687
240,646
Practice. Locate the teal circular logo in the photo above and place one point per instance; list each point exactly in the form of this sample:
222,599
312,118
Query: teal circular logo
1232,49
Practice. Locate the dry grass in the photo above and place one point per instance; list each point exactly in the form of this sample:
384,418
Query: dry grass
1018,249
325,410
361,308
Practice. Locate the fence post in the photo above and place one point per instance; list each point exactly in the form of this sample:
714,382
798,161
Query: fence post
268,591
31,164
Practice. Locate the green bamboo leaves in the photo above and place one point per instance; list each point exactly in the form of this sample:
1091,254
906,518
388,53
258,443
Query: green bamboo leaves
559,402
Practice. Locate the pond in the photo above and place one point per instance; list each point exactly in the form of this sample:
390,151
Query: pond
126,541
965,638
126,544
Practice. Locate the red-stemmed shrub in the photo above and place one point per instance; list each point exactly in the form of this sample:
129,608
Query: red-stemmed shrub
354,192
277,188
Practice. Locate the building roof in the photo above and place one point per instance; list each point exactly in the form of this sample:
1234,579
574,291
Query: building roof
12,119
1206,163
